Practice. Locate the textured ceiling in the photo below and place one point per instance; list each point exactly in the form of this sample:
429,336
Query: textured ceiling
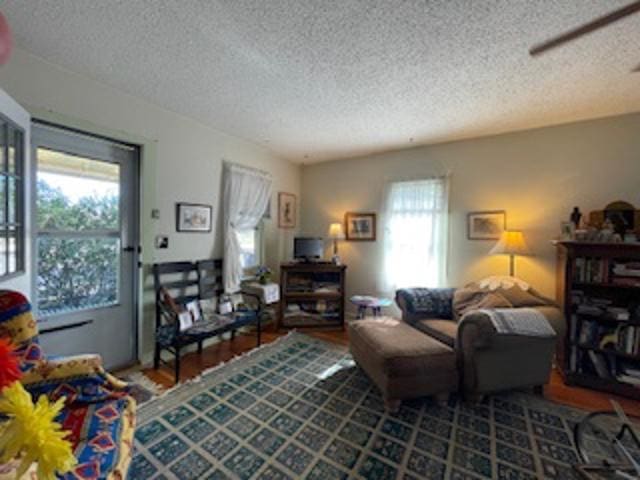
314,80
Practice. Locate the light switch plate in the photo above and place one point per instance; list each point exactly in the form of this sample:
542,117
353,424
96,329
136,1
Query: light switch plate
162,241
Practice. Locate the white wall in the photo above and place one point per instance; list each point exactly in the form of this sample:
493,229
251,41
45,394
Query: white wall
537,176
182,159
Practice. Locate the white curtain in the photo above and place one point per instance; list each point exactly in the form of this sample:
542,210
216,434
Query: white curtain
246,195
415,234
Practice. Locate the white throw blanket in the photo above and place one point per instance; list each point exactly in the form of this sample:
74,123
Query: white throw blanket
527,322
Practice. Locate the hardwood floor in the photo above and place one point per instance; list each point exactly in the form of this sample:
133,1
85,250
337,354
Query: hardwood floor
193,364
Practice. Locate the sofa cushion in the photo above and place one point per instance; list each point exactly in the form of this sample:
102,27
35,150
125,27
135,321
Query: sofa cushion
399,350
444,331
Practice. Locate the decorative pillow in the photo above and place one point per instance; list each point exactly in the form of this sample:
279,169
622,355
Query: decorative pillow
435,302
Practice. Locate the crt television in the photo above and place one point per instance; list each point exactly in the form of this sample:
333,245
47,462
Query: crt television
308,248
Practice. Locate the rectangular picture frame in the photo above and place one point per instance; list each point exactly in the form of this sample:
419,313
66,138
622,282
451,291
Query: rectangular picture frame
287,210
360,226
193,217
486,225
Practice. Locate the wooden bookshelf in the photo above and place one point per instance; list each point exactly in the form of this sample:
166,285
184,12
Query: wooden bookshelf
312,295
601,343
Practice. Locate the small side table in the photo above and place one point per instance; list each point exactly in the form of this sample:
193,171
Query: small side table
374,303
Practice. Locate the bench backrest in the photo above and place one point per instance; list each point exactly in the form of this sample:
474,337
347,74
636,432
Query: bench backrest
187,281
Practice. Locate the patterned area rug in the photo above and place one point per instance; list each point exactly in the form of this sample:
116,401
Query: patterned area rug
300,408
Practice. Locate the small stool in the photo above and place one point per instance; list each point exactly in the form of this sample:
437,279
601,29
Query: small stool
374,303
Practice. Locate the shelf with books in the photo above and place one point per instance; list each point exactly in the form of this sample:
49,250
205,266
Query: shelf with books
312,295
608,351
598,289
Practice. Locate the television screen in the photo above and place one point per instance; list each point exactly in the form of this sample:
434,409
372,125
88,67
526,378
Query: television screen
307,248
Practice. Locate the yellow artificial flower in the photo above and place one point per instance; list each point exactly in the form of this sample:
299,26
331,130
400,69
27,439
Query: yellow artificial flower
32,435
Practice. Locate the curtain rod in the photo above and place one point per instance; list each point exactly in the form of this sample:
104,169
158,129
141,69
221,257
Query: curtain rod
228,164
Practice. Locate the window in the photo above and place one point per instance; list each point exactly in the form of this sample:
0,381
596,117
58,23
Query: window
11,198
415,234
78,232
250,247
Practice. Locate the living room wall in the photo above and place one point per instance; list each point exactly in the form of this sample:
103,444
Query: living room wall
537,176
182,161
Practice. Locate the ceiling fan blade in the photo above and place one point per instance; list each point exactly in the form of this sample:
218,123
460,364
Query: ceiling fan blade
586,28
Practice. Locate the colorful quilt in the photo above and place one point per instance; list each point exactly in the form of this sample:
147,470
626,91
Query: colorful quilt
99,413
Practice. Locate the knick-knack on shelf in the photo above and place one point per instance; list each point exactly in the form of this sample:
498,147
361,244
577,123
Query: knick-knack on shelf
575,217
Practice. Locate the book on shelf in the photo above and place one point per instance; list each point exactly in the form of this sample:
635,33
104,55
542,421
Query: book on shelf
626,269
625,281
599,362
591,270
635,381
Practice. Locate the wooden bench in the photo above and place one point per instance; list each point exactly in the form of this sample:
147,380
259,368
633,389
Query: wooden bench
185,282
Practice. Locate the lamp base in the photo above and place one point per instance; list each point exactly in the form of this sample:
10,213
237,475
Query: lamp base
336,260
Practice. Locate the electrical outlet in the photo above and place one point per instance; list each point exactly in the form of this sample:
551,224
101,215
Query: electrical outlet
155,213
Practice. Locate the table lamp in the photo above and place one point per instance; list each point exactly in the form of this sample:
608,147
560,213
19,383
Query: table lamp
336,233
511,243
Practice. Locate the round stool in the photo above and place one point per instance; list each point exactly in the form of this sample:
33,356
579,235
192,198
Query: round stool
374,303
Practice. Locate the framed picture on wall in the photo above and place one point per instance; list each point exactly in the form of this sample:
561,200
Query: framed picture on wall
193,217
286,210
360,226
487,225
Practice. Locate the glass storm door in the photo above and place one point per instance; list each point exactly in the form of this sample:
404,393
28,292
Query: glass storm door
86,247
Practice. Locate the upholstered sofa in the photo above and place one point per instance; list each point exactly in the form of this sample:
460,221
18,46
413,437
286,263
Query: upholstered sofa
99,414
487,361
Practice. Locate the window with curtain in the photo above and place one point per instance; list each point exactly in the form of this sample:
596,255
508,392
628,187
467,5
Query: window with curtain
415,235
250,240
246,195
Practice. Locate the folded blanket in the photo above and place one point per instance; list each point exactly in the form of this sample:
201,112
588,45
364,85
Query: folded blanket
527,322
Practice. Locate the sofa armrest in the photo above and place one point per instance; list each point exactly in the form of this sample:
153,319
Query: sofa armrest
476,330
477,335
419,303
63,367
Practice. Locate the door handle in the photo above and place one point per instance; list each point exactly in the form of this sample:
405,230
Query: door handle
130,249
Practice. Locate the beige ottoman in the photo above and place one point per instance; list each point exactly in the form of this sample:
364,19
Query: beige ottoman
402,361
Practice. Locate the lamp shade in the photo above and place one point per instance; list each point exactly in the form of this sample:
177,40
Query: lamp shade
511,243
335,231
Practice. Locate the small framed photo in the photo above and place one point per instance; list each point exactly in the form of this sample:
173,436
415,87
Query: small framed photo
193,217
286,210
487,225
360,226
567,231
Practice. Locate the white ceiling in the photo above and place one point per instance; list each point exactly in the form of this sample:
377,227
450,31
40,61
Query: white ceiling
315,80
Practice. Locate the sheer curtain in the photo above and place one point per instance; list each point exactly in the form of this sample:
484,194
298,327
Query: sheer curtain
246,194
415,234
